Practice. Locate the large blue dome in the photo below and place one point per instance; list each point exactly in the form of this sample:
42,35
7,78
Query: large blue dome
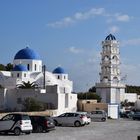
110,37
59,70
20,67
27,53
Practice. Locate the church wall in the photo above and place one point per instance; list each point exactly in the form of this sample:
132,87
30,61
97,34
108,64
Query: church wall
15,98
31,63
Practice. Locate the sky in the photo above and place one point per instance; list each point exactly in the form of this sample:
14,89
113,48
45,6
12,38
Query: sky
68,33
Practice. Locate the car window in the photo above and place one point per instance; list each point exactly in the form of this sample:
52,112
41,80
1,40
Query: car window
25,117
63,115
99,112
71,115
93,112
8,117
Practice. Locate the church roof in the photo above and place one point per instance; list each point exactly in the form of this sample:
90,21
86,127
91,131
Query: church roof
110,37
20,67
59,70
27,53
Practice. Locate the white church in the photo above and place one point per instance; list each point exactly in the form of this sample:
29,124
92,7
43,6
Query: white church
55,88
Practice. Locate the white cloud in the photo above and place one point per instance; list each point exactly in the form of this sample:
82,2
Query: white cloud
78,16
75,50
114,29
123,18
131,42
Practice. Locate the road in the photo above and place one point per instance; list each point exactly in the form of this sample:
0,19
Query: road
110,130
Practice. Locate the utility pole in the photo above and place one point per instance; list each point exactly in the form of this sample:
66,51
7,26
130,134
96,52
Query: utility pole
44,70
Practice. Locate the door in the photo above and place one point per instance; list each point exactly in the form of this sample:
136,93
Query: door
6,122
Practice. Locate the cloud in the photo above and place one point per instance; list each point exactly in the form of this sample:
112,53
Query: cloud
114,29
77,17
80,16
75,50
123,18
131,42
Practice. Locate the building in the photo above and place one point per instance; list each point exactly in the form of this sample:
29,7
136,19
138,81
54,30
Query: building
110,87
54,87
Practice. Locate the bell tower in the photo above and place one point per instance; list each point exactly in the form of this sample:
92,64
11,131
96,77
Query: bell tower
110,86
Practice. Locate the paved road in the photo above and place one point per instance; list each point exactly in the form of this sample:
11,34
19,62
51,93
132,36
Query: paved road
110,130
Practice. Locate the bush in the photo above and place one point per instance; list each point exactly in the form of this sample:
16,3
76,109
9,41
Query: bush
30,104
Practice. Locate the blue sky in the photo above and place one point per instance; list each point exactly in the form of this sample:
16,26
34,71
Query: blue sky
68,33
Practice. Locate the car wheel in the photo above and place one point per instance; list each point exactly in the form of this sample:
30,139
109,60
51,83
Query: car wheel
77,124
55,123
17,131
103,119
39,129
27,133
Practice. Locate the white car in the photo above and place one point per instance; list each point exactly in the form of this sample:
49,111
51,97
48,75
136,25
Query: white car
16,123
72,119
88,119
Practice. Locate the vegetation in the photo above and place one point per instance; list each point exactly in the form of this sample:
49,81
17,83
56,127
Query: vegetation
27,85
89,95
132,89
8,67
125,103
30,104
92,89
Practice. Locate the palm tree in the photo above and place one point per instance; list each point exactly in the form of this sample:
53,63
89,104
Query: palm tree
27,85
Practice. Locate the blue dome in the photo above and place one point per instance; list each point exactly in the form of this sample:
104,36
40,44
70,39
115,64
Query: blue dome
20,67
59,70
110,37
27,53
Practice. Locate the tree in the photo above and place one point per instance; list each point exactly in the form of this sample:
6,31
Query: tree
30,104
92,89
27,85
9,67
133,89
89,95
2,67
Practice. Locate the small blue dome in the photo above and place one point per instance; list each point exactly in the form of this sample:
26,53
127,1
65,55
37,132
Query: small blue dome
27,53
59,70
110,37
20,67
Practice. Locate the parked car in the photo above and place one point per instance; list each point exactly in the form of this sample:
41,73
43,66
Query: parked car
71,119
136,116
16,123
88,121
125,114
42,123
98,115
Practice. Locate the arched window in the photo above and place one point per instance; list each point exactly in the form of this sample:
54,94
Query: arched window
17,74
35,67
58,77
106,58
115,80
28,66
115,58
105,79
